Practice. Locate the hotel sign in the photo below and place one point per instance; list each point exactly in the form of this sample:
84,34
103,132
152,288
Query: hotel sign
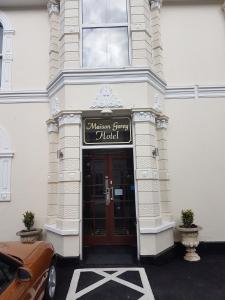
107,131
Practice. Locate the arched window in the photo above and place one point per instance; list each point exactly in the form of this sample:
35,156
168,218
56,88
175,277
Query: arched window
6,156
6,36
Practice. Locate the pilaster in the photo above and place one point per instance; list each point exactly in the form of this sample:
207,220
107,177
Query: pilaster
146,170
53,10
140,33
165,201
52,172
69,34
68,216
156,36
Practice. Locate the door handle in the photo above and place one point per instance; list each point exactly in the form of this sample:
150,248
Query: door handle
112,193
107,191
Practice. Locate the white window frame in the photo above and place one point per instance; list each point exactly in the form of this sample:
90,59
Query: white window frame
7,53
105,25
6,156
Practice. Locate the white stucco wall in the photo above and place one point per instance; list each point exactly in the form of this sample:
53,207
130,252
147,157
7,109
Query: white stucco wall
193,38
197,162
25,124
30,66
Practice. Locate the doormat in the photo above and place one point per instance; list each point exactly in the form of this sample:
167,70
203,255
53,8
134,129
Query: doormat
110,284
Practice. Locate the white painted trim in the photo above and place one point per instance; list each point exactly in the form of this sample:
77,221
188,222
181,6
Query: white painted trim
54,229
7,52
164,226
6,155
136,194
145,289
106,76
195,92
23,97
107,146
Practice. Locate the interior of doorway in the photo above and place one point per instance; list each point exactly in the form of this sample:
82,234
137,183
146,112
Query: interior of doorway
109,213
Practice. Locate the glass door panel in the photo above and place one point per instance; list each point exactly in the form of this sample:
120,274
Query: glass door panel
108,197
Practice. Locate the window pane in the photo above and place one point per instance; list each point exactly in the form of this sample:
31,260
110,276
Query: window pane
104,11
105,47
1,37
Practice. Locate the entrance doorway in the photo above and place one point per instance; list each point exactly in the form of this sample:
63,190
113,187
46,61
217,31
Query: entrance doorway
109,216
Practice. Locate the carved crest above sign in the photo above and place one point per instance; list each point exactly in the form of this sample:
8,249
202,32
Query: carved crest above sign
106,99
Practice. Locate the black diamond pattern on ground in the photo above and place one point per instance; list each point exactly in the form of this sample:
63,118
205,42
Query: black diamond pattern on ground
132,276
86,279
112,291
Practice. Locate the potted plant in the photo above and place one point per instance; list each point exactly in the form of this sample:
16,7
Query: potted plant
30,234
189,235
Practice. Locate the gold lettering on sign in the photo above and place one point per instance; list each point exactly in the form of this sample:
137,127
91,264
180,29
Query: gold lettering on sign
102,135
107,131
92,125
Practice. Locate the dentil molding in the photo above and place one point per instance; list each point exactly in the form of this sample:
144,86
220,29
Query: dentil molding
106,99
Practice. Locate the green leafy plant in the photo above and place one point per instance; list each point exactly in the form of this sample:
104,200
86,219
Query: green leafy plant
28,220
187,216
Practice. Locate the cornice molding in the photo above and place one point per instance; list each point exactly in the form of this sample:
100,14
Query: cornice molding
106,76
13,97
195,92
182,92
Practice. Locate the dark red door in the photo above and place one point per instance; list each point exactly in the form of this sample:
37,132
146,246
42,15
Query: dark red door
108,197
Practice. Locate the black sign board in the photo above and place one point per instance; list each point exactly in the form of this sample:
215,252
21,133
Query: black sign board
107,131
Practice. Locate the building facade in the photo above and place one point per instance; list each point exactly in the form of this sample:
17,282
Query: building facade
111,120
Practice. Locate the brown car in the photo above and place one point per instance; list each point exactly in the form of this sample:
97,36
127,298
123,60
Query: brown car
27,271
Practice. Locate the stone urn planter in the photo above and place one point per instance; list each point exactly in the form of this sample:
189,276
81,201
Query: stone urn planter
189,235
189,238
29,236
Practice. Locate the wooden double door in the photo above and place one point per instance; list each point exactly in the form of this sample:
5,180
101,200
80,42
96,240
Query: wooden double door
109,216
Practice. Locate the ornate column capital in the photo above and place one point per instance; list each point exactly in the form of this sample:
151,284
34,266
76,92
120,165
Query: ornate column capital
144,116
69,119
52,126
53,7
162,123
155,4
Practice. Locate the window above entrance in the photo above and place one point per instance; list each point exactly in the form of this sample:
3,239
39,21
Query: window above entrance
105,33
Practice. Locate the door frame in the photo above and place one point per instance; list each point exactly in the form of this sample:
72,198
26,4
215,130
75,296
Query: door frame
93,147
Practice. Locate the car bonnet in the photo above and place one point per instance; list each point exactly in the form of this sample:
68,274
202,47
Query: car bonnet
18,249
